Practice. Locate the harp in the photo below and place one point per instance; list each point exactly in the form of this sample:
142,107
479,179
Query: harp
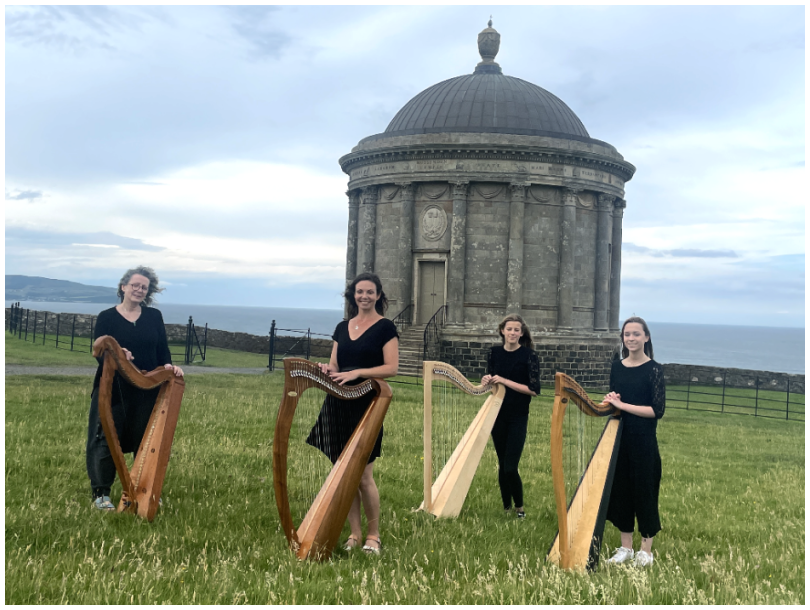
583,458
450,401
319,530
142,485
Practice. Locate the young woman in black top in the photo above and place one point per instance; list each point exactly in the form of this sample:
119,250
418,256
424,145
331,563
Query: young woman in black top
515,365
637,388
366,345
140,332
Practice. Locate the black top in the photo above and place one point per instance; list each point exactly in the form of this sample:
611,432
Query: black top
520,366
145,338
642,386
367,351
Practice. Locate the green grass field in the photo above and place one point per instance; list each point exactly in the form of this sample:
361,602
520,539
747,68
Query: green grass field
732,505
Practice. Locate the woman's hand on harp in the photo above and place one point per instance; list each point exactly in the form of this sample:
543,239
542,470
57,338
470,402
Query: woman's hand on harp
128,354
345,377
614,399
176,369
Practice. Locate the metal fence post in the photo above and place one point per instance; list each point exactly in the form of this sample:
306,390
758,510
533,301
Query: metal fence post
205,341
756,398
34,333
44,327
309,342
188,341
57,330
27,315
73,332
19,324
688,387
272,344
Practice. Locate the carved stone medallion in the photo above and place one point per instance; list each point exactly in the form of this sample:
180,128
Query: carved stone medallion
434,223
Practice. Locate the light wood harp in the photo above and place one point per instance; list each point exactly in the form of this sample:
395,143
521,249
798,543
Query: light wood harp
460,401
318,533
143,483
583,457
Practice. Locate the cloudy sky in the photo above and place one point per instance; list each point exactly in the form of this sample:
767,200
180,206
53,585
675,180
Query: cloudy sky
204,141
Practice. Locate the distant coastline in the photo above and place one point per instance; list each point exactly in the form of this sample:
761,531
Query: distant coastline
745,347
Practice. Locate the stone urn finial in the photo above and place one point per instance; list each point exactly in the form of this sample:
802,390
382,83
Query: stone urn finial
489,41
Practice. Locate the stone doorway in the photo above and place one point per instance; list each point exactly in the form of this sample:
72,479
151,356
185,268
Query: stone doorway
431,289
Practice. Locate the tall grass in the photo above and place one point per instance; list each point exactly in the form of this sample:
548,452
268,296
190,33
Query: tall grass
732,504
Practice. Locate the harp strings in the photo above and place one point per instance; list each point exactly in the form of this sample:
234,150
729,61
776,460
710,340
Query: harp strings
307,466
581,434
453,411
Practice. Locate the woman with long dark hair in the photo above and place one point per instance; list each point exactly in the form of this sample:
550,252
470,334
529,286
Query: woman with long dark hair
366,345
139,330
637,388
515,365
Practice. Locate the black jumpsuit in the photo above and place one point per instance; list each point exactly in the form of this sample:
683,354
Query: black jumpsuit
509,432
637,478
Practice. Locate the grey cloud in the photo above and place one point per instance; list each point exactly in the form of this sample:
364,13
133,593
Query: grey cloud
19,195
679,253
74,29
250,23
18,237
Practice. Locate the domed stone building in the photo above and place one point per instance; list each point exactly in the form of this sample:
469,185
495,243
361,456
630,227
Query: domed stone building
486,196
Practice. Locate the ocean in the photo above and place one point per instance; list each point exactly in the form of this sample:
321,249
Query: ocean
746,347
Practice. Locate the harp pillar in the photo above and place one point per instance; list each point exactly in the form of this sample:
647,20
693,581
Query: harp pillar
458,255
351,245
565,287
514,270
603,234
367,229
616,263
406,229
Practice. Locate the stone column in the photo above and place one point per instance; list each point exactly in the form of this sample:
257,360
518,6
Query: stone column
407,193
367,229
351,245
603,235
458,255
616,263
514,270
565,286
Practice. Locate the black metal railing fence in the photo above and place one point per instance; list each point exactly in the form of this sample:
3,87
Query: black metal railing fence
32,326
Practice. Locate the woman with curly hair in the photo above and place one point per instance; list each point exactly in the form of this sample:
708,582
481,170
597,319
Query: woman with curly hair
140,332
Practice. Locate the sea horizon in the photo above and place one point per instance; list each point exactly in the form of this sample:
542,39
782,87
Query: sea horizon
763,348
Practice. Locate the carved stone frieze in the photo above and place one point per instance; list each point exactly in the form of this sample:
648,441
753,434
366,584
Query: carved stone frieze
586,200
433,191
488,191
433,223
388,192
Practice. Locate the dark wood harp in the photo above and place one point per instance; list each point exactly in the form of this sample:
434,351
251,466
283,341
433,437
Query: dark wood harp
582,467
445,496
142,485
319,531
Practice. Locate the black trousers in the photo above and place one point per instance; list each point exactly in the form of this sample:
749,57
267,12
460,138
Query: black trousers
636,483
131,409
509,437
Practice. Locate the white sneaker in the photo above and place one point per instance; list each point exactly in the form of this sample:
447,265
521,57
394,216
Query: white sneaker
621,555
103,503
643,559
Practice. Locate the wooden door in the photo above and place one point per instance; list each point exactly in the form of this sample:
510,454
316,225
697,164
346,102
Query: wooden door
431,289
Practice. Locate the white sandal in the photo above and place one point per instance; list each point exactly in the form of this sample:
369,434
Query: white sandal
372,550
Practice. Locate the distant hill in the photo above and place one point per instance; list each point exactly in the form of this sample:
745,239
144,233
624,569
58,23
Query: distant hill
28,288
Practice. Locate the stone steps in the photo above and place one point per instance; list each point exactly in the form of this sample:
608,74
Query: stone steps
411,347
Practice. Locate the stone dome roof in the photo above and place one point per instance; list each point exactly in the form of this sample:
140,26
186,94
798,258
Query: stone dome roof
487,103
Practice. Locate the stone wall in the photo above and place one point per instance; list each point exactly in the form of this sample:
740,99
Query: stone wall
586,359
589,360
683,374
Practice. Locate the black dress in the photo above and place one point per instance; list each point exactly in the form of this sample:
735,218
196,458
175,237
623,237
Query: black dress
338,418
509,431
637,478
131,407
